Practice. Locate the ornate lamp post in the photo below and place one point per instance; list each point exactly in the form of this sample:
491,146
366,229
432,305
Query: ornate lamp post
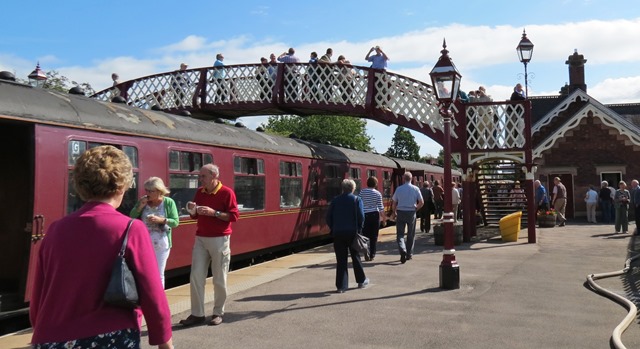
37,78
446,83
525,51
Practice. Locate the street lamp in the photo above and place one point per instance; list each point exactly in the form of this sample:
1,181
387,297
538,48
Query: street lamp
37,78
525,51
446,83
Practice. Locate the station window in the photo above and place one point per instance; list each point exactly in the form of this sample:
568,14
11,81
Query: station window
355,175
183,176
290,184
249,183
332,182
75,149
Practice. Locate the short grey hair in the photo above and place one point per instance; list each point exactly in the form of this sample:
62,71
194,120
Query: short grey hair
408,177
348,185
213,169
604,184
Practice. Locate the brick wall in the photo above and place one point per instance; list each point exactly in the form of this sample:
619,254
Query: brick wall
589,145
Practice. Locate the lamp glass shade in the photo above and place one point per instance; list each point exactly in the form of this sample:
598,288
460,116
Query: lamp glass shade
445,77
525,49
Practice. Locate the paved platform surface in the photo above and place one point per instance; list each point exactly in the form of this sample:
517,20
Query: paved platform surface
512,295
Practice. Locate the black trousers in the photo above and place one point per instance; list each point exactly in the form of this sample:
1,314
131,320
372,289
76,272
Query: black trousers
342,248
425,220
371,230
637,212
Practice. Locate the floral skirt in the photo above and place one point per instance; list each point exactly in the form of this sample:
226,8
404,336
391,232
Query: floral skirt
129,338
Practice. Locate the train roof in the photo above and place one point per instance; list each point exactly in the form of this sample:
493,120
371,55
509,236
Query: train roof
23,102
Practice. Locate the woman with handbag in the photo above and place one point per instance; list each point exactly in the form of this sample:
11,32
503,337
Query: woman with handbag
75,261
345,218
621,202
160,215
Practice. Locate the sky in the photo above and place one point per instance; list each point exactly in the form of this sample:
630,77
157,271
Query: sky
86,41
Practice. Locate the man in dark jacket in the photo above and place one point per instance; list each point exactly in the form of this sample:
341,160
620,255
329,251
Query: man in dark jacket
428,207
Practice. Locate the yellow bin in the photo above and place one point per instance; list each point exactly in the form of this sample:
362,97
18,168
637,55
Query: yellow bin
510,226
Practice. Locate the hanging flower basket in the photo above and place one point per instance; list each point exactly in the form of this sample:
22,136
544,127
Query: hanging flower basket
546,219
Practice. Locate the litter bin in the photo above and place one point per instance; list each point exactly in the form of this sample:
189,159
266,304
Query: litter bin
510,226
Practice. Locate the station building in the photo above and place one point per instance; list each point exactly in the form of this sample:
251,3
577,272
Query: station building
583,141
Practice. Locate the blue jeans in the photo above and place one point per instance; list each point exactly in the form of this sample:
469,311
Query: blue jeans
406,219
605,207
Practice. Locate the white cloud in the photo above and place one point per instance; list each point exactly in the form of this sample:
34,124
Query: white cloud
190,43
480,53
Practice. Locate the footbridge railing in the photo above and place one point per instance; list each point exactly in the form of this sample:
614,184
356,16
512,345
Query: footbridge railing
301,89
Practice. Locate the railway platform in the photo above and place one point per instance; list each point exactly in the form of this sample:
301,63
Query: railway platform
512,295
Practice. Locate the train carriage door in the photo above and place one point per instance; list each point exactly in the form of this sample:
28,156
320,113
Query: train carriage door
16,207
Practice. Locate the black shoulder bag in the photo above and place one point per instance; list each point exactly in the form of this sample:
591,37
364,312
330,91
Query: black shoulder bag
122,291
360,242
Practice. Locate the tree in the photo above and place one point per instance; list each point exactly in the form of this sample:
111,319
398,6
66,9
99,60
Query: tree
440,160
404,145
343,131
57,82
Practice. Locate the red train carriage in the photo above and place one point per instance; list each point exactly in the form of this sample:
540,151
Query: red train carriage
283,185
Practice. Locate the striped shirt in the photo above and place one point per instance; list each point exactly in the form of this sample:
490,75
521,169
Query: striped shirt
371,200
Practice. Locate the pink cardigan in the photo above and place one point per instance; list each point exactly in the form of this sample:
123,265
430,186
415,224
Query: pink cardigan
73,270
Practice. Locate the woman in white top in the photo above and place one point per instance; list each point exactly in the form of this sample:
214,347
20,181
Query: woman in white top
591,199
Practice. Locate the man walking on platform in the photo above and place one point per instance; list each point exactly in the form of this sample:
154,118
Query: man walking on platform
560,200
406,201
428,207
215,208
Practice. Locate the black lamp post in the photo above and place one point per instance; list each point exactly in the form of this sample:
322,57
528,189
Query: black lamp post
446,83
525,51
37,78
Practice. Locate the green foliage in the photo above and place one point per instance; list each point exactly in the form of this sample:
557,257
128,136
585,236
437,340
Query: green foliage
404,145
440,160
57,82
338,130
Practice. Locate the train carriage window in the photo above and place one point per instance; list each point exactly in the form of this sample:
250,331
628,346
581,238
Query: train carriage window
75,149
290,184
248,165
371,173
132,153
183,182
332,182
174,160
355,175
130,196
315,184
129,200
249,183
386,184
183,188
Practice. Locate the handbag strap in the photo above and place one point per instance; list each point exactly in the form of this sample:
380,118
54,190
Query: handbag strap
126,236
355,212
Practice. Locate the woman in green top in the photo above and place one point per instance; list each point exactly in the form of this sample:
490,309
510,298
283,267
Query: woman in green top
160,214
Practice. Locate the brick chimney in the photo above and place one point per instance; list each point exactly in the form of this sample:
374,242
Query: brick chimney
576,72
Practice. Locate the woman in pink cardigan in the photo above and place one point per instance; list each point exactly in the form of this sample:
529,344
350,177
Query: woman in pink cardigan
75,260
